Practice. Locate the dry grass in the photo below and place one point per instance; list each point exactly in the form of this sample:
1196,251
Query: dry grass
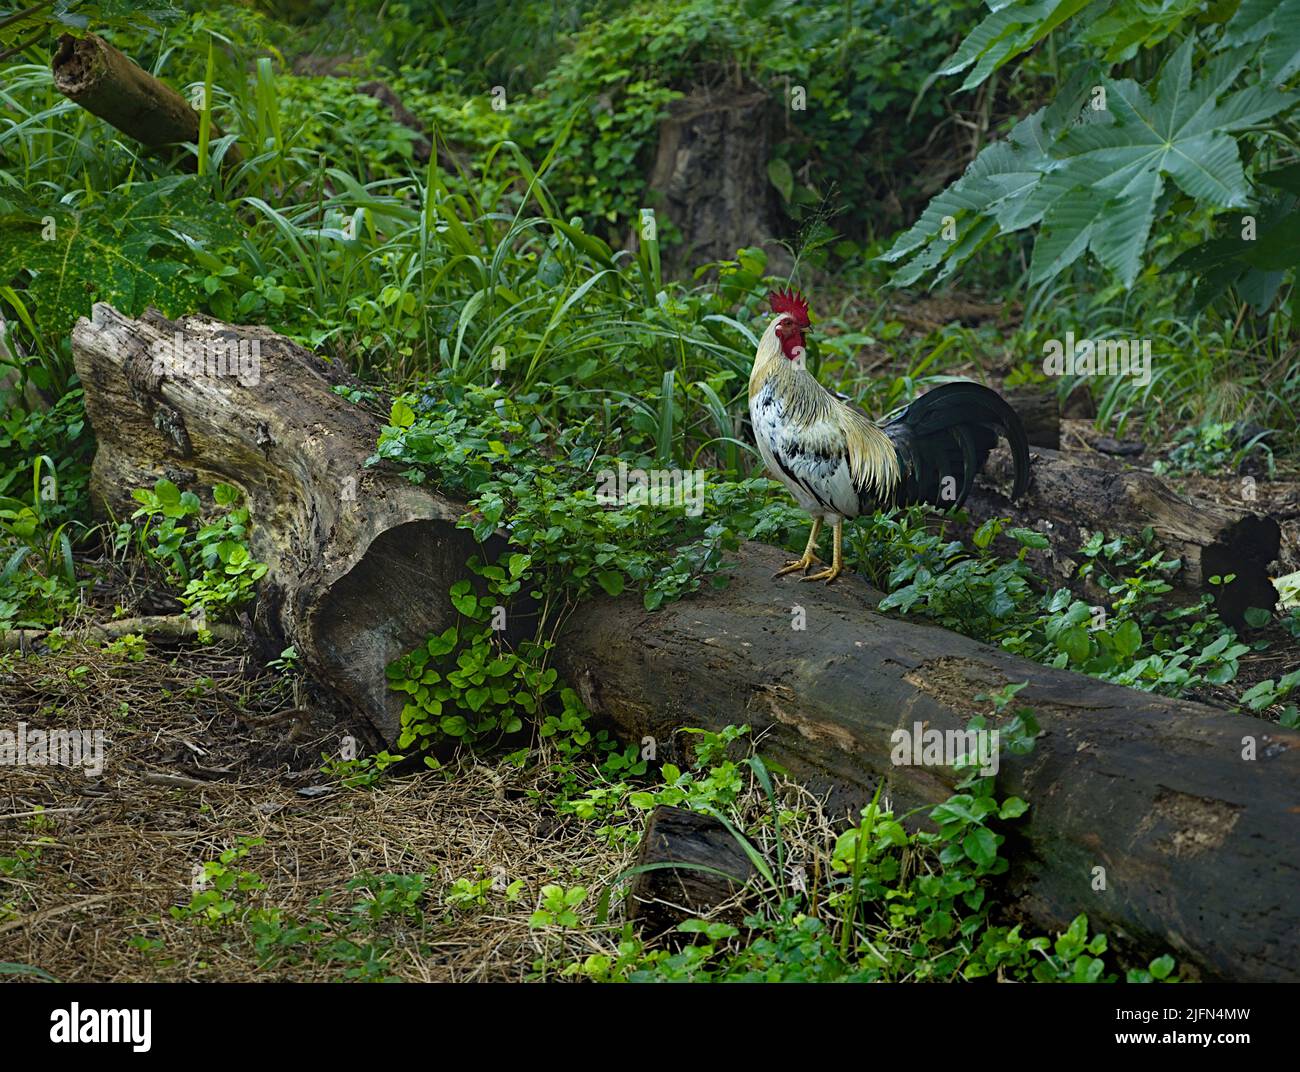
112,855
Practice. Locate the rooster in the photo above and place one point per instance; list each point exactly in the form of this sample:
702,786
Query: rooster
838,462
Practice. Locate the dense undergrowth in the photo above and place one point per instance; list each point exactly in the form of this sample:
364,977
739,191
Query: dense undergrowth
525,351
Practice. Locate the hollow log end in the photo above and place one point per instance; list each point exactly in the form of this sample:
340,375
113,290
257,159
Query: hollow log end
78,64
1244,549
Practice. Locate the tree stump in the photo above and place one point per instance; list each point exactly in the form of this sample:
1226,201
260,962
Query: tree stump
713,867
710,176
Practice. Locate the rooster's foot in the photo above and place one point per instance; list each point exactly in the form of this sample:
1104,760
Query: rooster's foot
828,575
803,564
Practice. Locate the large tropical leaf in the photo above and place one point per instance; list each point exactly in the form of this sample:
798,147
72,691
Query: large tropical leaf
1013,27
1093,177
1254,259
1277,22
127,248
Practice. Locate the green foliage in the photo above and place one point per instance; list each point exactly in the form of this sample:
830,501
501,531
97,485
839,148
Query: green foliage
210,559
837,72
1131,639
900,901
1213,447
357,937
128,246
52,447
363,772
543,487
475,691
41,496
1090,169
222,890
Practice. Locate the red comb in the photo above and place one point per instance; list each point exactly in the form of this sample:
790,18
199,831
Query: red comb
789,301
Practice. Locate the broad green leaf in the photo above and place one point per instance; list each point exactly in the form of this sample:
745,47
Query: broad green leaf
129,248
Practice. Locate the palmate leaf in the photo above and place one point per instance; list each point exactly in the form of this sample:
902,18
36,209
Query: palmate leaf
998,182
1013,27
1257,266
1127,26
1279,22
1182,132
1094,179
115,250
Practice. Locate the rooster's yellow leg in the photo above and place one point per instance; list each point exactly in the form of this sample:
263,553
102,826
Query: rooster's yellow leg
837,558
805,561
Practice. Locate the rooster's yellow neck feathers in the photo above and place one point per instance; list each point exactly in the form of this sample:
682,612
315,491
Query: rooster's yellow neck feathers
823,419
769,358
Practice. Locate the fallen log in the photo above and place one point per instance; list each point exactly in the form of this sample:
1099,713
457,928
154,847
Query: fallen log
1069,497
1200,845
92,73
156,627
359,559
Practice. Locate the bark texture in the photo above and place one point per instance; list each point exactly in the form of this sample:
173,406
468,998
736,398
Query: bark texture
692,866
1199,845
359,558
94,74
710,177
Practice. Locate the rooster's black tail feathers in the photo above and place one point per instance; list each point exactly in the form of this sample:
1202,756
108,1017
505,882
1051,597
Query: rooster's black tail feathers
944,438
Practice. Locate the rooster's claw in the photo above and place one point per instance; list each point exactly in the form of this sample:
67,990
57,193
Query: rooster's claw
827,575
804,564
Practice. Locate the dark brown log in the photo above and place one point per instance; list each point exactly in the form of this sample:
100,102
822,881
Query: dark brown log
1040,413
1069,497
714,868
1200,847
359,558
92,73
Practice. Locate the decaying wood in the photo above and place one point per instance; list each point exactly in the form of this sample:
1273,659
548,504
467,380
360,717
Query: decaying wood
713,868
710,177
1198,846
94,74
1067,497
359,559
1173,825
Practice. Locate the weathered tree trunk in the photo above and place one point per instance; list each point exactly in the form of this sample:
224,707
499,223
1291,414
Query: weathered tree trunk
92,73
1067,496
710,176
1191,812
359,558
